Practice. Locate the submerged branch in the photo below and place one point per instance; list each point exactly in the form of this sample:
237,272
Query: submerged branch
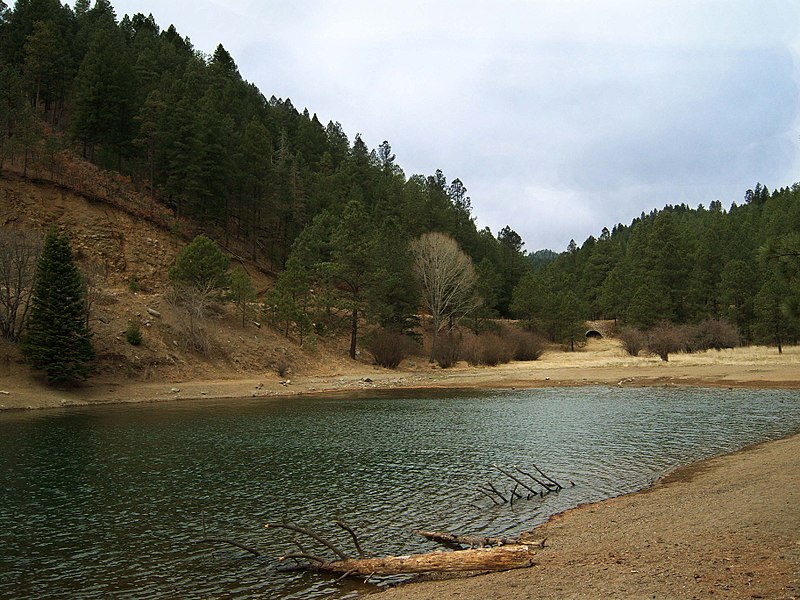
342,525
217,540
312,534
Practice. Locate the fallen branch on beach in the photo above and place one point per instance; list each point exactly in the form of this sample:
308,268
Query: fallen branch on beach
453,540
493,558
491,554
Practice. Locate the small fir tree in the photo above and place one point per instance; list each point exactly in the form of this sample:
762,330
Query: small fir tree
58,340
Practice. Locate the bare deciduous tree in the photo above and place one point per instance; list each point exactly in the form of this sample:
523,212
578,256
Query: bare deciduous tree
192,303
447,279
19,254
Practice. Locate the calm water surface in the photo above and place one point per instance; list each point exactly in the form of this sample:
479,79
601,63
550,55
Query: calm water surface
106,502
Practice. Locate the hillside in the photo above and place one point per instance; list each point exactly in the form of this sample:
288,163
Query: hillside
116,248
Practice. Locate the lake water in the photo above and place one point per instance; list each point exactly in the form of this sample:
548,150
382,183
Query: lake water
106,502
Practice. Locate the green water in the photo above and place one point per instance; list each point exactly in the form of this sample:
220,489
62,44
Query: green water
106,502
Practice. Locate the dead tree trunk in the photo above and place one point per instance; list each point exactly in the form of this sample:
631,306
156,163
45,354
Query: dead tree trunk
498,558
451,539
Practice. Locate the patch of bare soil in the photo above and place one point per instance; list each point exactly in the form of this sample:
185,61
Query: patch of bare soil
728,527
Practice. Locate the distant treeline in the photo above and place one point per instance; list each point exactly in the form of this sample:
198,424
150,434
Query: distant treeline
683,266
255,173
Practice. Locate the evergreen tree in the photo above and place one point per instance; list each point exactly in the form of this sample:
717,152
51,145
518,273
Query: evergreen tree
773,321
353,261
58,340
104,95
241,290
46,68
202,264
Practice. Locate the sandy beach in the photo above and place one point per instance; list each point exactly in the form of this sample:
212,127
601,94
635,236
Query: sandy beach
728,527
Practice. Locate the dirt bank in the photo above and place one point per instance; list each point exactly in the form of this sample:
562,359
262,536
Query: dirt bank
600,363
728,527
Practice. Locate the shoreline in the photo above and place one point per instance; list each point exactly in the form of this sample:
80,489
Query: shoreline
727,526
707,529
757,368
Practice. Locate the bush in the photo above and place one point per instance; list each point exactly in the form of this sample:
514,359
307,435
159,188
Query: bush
664,339
488,349
633,340
447,350
282,366
527,346
134,334
192,306
716,334
389,348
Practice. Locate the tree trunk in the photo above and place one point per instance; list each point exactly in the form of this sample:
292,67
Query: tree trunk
353,332
500,558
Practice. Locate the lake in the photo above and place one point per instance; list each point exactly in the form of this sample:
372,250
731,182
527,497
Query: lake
107,501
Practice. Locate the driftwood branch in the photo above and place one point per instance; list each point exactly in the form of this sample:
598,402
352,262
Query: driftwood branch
498,558
546,476
342,525
547,487
495,491
303,556
312,534
519,481
490,496
218,540
451,539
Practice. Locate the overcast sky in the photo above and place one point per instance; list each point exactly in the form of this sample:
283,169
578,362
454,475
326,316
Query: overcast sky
560,116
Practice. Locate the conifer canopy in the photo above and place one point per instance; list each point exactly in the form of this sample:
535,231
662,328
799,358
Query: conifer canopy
58,340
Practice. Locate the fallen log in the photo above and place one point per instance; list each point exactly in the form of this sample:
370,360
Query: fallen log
451,539
497,558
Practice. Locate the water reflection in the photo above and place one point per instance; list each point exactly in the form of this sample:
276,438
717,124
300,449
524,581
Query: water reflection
107,502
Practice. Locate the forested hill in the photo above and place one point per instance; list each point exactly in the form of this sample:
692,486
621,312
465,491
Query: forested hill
680,265
274,185
193,134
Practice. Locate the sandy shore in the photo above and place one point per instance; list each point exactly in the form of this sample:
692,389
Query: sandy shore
727,527
602,363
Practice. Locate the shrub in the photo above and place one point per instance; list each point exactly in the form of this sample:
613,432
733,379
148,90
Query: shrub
633,340
663,340
282,366
488,349
527,346
447,350
389,348
133,284
134,334
716,334
191,306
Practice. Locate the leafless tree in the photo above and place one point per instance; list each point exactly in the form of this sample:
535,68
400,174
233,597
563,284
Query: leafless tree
19,255
192,303
447,279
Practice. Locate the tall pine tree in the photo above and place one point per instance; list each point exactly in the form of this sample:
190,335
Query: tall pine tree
58,340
